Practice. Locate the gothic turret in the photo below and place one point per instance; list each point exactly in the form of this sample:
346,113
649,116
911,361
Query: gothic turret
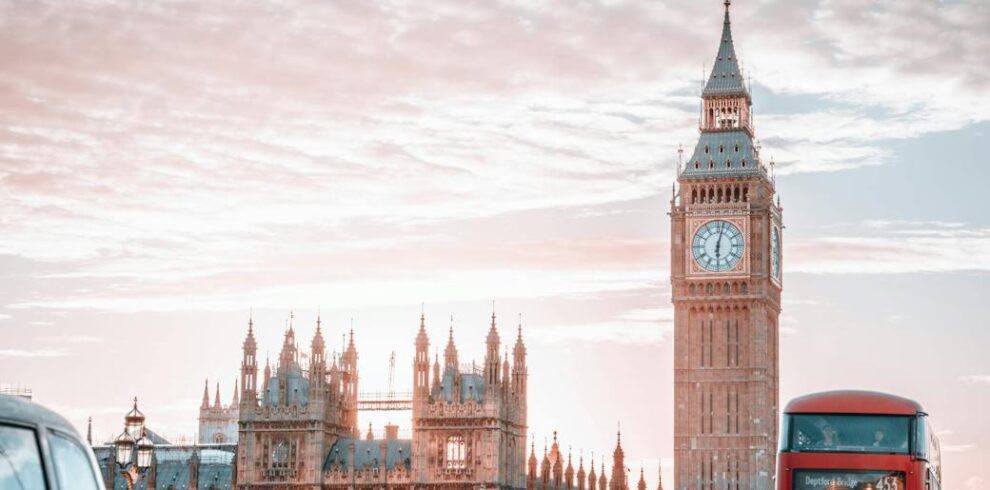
216,400
249,366
581,477
492,358
450,353
206,395
349,383
642,481
592,478
531,474
569,472
519,372
318,357
602,480
545,469
287,358
421,363
618,466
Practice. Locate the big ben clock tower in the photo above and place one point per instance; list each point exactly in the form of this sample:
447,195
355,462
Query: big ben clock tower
726,281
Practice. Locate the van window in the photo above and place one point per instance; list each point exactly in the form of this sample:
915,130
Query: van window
71,462
20,461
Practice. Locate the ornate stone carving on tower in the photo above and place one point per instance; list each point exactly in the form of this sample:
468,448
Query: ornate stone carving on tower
288,428
469,426
218,422
726,284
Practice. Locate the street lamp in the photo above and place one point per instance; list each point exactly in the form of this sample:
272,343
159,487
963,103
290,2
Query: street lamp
133,456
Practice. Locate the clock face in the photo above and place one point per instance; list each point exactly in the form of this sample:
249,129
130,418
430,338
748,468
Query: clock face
717,246
775,252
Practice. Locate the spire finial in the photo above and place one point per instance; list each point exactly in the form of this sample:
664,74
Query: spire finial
250,320
89,431
135,403
318,320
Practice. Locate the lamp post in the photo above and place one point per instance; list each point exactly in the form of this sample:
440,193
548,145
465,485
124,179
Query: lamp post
133,456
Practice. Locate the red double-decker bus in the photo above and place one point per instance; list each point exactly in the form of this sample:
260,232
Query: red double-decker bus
857,440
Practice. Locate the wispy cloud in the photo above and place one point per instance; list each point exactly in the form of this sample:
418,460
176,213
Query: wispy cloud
957,448
976,379
29,353
72,339
633,326
880,247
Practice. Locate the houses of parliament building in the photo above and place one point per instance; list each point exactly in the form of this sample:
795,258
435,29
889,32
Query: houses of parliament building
295,426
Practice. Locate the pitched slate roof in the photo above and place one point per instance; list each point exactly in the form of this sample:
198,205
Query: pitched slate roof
722,154
297,388
172,466
726,78
472,387
367,453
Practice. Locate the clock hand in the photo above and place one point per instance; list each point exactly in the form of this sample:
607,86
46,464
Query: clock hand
718,243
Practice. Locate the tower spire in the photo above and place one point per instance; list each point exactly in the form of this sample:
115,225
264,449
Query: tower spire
450,353
206,394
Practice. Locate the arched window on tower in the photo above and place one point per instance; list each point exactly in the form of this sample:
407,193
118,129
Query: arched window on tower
456,455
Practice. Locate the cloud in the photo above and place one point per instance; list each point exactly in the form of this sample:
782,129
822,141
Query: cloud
632,326
976,379
975,483
29,353
892,248
72,339
153,152
957,448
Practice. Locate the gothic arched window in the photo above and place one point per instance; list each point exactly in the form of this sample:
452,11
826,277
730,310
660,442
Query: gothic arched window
456,454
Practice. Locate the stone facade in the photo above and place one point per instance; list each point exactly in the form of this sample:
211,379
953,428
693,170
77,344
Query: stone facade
726,285
298,429
218,422
469,422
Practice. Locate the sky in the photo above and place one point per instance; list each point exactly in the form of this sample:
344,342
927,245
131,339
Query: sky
169,168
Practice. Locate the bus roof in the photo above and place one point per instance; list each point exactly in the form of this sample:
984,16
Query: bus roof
853,401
